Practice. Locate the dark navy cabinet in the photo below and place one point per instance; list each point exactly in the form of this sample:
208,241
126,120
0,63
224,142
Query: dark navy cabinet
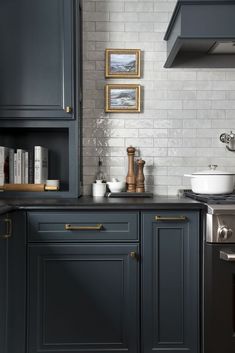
41,83
83,296
37,59
97,281
170,282
12,283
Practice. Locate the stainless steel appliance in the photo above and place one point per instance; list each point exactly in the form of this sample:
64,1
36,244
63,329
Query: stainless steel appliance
218,274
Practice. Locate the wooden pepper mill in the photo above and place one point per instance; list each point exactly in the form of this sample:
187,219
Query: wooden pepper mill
130,178
140,176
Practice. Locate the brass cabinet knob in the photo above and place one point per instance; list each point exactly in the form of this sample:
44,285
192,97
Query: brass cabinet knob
134,255
68,109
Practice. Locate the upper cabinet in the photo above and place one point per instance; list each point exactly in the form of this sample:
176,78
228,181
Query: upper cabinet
37,59
40,86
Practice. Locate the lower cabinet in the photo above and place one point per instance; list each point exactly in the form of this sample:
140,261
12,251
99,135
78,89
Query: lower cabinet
170,282
12,283
83,298
91,287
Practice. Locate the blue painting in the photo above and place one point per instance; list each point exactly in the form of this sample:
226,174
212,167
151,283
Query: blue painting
122,98
122,63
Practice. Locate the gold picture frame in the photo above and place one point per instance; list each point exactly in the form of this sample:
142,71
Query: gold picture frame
122,98
122,63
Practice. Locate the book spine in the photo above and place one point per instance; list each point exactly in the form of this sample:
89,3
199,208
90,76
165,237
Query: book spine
23,167
37,175
15,168
40,165
19,172
31,167
11,166
26,167
44,174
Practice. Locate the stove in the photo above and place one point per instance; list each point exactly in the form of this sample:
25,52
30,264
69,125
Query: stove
218,272
222,199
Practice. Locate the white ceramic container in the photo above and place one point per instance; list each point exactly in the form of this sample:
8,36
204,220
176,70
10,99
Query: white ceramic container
212,181
116,186
98,189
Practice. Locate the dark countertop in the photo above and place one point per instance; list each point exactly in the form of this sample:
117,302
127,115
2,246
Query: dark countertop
103,203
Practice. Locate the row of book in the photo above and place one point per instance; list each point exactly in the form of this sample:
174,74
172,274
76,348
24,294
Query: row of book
19,166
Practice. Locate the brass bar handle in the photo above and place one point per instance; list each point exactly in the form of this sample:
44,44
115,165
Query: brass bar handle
171,219
8,233
227,255
71,227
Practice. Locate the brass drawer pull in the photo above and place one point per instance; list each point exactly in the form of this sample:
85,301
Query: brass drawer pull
171,219
8,233
71,227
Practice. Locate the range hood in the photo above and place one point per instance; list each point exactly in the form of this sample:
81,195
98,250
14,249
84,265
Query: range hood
201,34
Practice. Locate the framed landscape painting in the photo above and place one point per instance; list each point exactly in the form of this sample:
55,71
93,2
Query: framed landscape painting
122,98
122,63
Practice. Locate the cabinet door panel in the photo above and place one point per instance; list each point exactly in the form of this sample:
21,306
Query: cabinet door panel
83,298
36,67
13,286
170,283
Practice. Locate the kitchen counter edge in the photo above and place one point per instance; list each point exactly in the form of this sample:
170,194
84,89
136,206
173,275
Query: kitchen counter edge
103,203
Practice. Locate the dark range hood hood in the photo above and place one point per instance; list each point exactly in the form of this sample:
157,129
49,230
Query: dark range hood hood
201,34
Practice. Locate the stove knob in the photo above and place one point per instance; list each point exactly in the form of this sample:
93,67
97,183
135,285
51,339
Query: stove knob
224,232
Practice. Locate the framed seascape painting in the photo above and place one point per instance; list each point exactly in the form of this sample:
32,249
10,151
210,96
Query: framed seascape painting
122,98
122,63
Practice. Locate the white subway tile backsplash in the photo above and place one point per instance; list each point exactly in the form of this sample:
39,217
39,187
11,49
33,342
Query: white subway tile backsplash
139,27
153,132
139,124
109,6
160,142
184,110
139,142
95,16
126,36
124,17
109,26
139,6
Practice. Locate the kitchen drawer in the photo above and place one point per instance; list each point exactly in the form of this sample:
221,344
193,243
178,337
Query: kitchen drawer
83,226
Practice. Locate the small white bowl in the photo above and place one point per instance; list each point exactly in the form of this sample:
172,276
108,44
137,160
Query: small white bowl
116,186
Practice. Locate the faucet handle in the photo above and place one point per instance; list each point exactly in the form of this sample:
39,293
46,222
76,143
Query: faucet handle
224,138
231,135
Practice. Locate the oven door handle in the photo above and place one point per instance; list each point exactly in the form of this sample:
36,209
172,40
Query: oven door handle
227,255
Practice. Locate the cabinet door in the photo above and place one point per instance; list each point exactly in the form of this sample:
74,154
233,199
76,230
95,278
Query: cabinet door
12,283
170,283
83,298
36,62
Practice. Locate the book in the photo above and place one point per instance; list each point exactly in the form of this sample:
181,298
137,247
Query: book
40,164
11,165
15,168
31,167
19,166
26,167
4,165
